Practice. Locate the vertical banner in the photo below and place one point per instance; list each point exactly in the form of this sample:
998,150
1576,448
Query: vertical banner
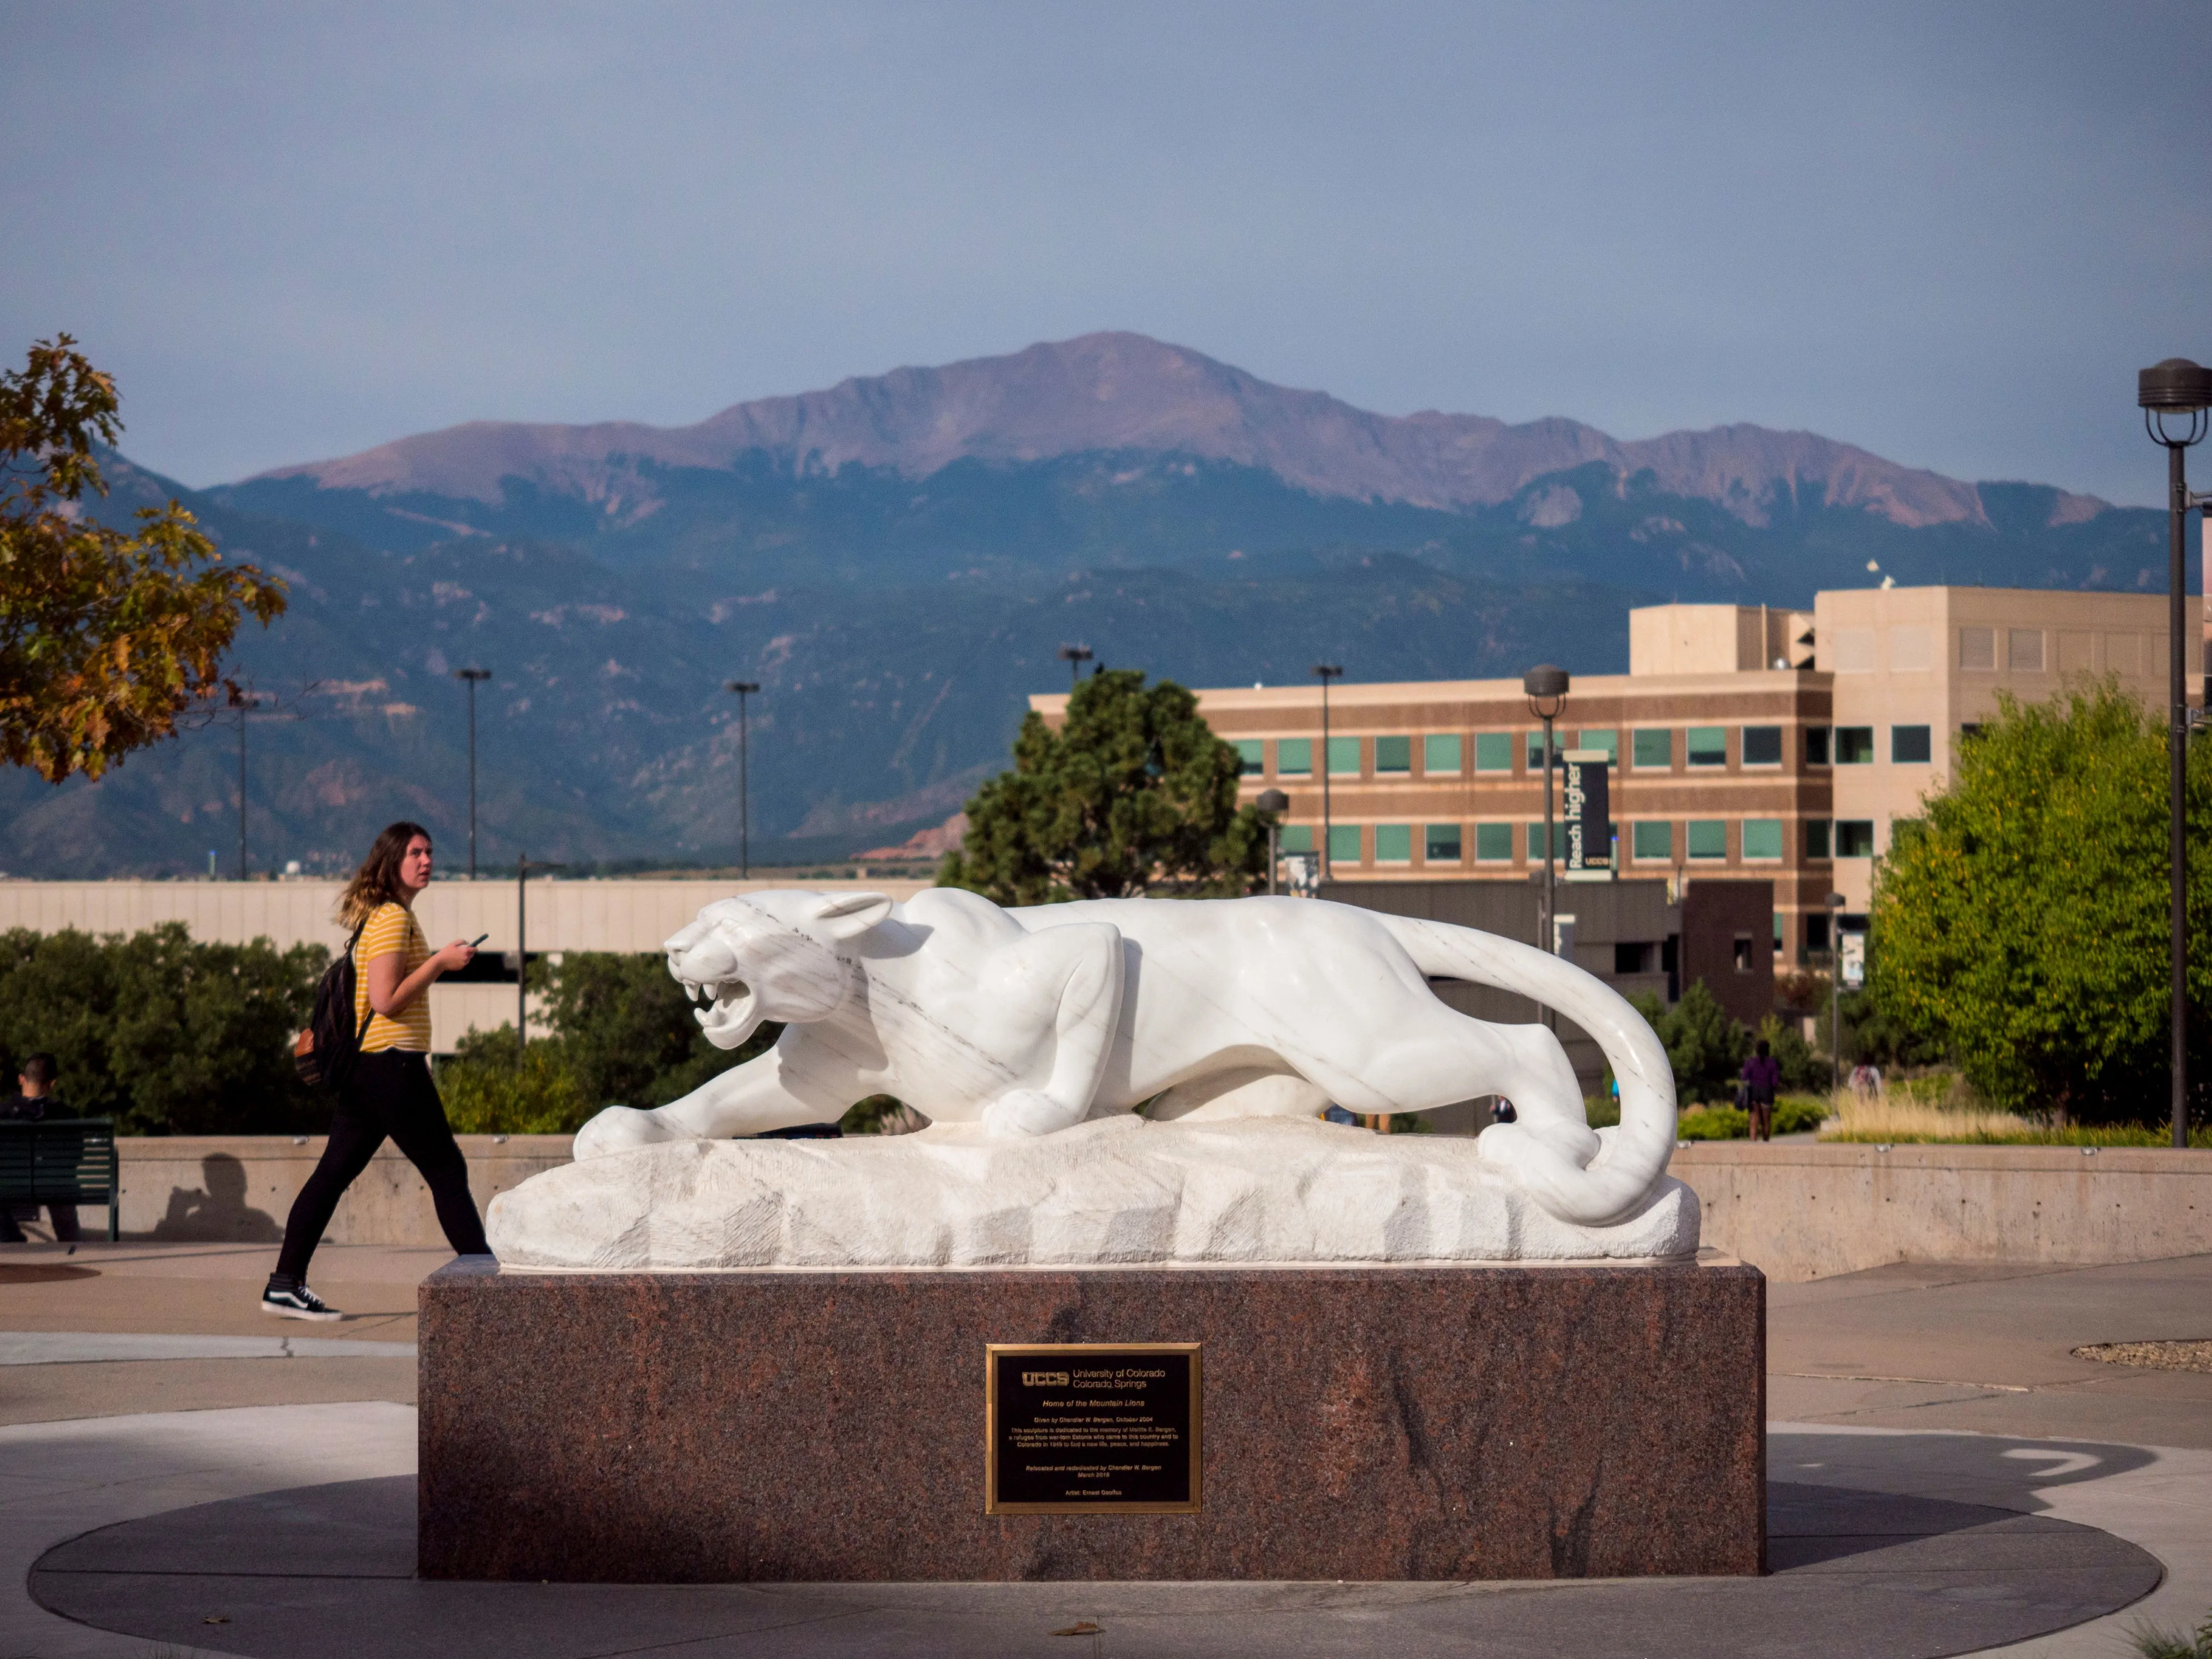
1586,799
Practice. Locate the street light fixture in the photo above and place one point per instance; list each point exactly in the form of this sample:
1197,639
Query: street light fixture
1274,803
1326,672
1545,686
743,688
1074,656
2177,388
472,675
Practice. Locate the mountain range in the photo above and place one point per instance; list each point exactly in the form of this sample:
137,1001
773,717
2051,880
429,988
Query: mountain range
895,560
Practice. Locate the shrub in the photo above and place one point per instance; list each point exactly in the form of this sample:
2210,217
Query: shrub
1796,1115
1712,1123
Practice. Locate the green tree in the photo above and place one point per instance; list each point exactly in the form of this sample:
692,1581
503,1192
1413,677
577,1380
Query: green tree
1704,1047
2023,923
1132,797
623,1034
163,1034
106,639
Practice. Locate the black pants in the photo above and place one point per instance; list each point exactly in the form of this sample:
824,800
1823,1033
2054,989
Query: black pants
390,1093
64,1217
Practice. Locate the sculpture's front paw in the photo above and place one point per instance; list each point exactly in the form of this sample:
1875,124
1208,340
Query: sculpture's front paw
619,1128
1028,1112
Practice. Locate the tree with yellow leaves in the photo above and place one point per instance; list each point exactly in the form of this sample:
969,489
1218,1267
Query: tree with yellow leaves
106,639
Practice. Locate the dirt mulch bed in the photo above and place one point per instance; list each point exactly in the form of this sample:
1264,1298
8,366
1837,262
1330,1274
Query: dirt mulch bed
2187,1356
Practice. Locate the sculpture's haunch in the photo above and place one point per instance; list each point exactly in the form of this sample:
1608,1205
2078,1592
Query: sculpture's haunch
1029,1021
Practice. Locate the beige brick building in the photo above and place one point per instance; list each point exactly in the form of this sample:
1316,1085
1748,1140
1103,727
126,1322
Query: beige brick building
1748,741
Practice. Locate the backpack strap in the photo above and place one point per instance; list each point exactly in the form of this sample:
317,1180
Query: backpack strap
359,928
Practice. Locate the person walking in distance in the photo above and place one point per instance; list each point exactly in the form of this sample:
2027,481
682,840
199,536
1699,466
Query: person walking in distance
1762,1075
389,1091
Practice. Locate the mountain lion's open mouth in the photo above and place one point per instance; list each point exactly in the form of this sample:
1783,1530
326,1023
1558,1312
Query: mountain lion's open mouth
727,1017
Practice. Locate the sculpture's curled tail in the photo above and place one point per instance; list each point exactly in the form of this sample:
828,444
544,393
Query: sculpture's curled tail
1629,1159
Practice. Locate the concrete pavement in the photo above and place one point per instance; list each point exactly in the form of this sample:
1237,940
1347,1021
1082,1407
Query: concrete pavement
1902,1386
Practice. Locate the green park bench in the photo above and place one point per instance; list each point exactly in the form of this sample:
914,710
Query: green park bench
63,1160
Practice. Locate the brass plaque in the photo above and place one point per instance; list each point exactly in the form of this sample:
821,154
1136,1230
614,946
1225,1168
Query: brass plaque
1081,1428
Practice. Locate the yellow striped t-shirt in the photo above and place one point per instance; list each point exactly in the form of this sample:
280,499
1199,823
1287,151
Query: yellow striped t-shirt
391,930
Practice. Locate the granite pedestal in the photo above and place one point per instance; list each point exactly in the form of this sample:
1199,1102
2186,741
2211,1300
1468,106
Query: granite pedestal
1386,1423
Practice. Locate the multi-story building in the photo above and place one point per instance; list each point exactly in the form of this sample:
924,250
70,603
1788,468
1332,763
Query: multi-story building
1747,741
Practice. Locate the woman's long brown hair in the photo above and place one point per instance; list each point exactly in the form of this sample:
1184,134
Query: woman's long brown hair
377,881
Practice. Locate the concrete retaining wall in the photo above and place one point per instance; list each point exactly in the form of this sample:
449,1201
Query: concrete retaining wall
240,1187
1799,1211
1806,1211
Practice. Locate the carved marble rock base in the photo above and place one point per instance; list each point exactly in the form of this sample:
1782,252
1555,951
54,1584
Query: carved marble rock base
1116,1191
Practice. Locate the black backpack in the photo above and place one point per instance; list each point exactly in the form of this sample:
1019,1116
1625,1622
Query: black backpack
326,1050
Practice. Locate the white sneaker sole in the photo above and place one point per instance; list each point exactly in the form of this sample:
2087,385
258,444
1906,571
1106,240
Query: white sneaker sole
327,1315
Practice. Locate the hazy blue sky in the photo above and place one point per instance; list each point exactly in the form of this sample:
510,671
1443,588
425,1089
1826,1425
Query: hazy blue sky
1948,232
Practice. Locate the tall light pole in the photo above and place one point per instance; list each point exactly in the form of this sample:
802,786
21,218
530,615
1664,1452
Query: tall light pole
472,675
1274,803
241,700
743,688
2179,388
1836,902
1546,687
1074,656
242,703
1325,671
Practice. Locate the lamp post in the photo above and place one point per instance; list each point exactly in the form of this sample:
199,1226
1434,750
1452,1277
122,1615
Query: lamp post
1836,902
2179,388
743,688
1547,690
1325,671
1074,656
472,675
241,703
1274,803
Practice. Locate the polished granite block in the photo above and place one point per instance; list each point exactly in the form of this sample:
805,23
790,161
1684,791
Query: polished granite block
1385,1423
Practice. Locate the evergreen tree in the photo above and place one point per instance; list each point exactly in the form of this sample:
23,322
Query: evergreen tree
1132,797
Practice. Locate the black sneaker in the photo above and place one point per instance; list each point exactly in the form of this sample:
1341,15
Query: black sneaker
296,1302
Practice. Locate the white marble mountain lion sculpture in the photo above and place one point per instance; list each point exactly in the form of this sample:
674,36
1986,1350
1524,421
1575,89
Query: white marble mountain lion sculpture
1031,1020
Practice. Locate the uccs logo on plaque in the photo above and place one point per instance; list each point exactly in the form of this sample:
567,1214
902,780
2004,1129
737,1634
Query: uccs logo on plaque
1044,1379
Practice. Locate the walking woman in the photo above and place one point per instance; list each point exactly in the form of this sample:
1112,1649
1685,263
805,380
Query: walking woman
390,1091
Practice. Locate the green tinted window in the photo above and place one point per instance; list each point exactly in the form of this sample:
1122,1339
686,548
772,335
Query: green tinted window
1708,745
1440,843
1762,838
1655,748
1394,755
1343,844
1249,761
1343,757
1294,757
1609,741
1393,843
1655,841
1855,745
1493,751
1297,838
1440,756
1816,838
1493,842
1558,841
1708,838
